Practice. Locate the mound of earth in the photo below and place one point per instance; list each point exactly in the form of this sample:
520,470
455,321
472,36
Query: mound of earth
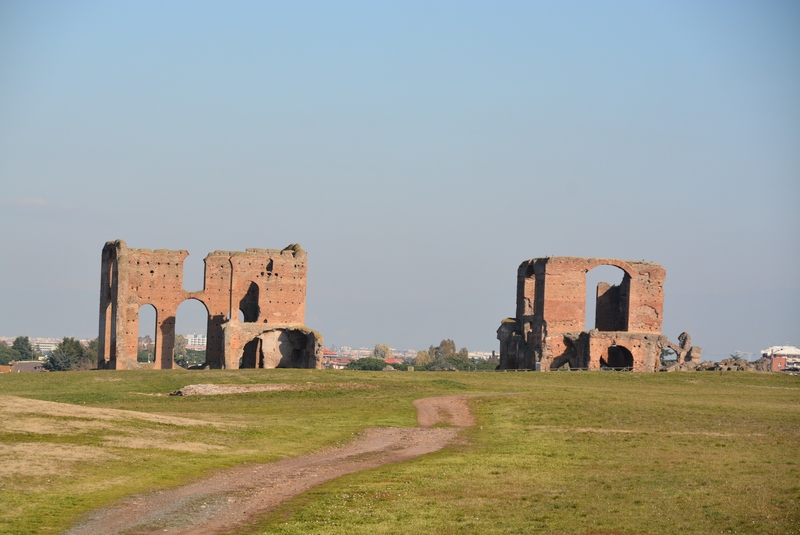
212,390
217,389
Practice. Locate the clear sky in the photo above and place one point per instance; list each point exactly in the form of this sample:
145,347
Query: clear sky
419,151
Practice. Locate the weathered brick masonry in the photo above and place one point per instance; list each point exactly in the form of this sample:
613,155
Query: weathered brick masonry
268,286
548,330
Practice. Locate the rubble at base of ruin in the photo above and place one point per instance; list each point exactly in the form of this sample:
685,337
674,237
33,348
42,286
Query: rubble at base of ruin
548,331
255,301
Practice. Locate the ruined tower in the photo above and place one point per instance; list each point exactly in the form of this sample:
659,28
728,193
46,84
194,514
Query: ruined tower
548,330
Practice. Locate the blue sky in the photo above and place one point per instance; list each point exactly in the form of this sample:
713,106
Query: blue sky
419,151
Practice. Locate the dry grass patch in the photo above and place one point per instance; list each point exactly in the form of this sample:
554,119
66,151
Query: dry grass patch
163,444
19,407
35,459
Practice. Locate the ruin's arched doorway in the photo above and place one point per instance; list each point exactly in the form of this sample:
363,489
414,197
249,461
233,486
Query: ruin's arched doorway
191,330
619,358
607,298
279,348
146,342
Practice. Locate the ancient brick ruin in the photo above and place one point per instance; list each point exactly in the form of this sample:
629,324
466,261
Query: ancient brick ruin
268,287
548,331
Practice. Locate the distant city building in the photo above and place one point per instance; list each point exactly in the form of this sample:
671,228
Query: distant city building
44,345
196,341
481,355
41,345
783,358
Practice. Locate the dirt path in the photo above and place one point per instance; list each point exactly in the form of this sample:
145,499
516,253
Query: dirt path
230,499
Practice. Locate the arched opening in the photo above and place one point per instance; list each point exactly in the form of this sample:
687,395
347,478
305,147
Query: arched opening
668,356
249,305
251,355
191,326
607,299
146,347
619,358
194,274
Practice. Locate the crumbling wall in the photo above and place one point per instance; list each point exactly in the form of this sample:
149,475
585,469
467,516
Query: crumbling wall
514,352
279,346
551,309
268,286
132,278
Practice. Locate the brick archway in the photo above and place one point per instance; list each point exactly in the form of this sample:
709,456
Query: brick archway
619,358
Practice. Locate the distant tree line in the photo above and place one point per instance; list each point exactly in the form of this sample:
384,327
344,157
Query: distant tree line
21,349
183,357
367,363
443,357
69,354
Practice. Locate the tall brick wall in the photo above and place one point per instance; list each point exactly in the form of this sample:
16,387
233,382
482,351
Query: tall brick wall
270,283
551,311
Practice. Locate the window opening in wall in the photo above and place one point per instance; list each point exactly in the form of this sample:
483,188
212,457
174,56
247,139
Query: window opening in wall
668,354
248,306
609,311
146,350
191,330
194,273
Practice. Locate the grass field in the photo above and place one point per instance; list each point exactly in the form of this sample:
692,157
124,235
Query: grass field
588,452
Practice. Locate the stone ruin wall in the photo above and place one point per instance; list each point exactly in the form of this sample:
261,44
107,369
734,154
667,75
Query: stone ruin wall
253,345
267,285
548,330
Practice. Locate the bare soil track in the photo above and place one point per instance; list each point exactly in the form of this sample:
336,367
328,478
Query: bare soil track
231,499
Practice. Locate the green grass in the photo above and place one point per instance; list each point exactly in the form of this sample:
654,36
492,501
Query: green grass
589,452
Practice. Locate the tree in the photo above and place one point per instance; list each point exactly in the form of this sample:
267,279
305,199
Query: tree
382,351
447,358
180,348
367,363
145,342
740,355
447,348
22,345
90,355
68,355
423,358
93,348
460,360
7,355
193,359
146,351
444,357
485,364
